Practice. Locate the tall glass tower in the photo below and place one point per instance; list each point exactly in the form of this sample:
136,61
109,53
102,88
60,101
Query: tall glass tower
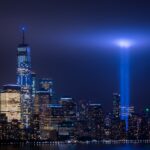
24,79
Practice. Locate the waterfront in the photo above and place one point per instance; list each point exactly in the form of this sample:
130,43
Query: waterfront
77,147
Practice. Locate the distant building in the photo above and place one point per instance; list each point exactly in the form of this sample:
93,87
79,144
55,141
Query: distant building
95,121
69,107
82,130
145,124
118,126
67,126
35,126
46,84
3,127
56,118
118,130
107,126
134,127
116,105
10,101
82,109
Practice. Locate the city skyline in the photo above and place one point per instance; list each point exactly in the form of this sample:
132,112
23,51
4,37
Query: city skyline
77,49
20,81
35,97
74,72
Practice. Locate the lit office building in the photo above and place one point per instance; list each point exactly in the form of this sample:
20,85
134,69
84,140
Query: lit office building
43,95
43,98
10,101
41,102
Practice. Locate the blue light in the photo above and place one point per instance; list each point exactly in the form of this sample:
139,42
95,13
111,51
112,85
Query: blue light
124,85
23,28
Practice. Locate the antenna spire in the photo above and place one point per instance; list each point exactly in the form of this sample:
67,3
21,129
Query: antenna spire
23,35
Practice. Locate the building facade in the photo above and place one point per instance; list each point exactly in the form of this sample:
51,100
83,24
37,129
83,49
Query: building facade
10,101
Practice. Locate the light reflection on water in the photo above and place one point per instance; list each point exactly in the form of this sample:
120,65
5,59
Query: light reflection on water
77,147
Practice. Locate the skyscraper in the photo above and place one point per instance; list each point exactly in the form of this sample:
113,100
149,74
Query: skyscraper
43,97
24,79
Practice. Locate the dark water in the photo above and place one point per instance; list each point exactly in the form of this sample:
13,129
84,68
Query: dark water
78,147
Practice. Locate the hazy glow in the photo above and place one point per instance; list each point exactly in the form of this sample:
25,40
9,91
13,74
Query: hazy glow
23,28
124,43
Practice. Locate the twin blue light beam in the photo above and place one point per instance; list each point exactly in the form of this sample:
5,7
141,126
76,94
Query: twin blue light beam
124,79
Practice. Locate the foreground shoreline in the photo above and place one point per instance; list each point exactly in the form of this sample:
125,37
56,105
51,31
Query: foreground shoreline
41,142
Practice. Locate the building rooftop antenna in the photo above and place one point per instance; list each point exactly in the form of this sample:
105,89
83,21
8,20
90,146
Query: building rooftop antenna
23,35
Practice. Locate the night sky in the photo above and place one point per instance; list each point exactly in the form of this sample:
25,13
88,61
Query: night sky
72,42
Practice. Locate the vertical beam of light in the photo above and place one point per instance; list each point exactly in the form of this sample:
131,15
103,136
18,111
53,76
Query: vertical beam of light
124,84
